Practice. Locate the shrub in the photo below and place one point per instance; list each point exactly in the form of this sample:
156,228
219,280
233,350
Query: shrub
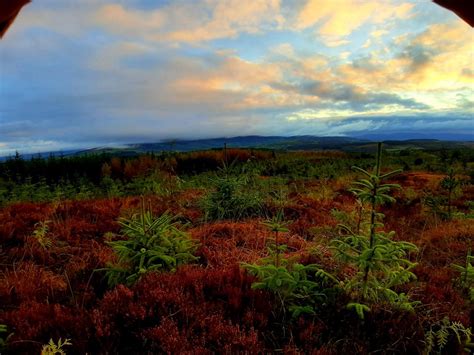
434,205
35,323
28,282
466,278
194,310
449,184
234,198
229,243
41,234
439,335
299,288
150,244
55,349
3,337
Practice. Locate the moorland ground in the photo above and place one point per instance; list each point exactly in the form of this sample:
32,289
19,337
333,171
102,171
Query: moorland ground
238,250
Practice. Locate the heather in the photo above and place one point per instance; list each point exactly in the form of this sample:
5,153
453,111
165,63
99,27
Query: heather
238,251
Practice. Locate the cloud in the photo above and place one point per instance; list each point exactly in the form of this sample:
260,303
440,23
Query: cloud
439,50
379,33
129,71
380,126
468,72
122,21
192,22
354,97
418,55
367,43
422,65
340,18
115,54
368,64
285,50
196,22
334,41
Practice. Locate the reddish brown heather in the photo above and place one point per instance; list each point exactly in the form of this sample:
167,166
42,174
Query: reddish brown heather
51,292
228,243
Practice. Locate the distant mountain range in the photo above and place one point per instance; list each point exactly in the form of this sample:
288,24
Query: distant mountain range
262,142
266,142
404,135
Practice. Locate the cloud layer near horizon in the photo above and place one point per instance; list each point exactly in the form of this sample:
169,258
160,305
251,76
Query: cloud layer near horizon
131,71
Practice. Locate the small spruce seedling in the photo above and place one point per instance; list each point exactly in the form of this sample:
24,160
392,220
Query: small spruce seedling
150,244
466,277
301,289
381,263
449,183
277,225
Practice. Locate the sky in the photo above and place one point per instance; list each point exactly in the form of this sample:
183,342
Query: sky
80,74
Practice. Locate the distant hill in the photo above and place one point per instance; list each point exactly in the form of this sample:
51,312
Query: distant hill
403,135
267,142
281,143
